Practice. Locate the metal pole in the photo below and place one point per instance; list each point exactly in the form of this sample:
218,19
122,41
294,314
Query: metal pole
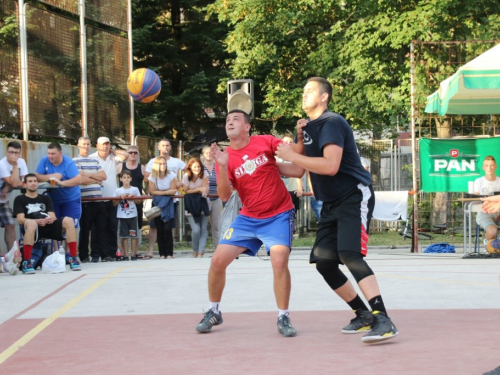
24,70
182,221
393,166
130,69
83,62
413,149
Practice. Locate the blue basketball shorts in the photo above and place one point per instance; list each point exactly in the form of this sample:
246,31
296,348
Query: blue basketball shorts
73,209
252,233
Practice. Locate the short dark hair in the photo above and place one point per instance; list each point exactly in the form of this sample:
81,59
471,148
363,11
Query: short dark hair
14,144
125,172
489,157
247,117
54,145
324,85
28,176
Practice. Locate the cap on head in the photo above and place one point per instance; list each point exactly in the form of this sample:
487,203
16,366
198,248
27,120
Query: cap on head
102,140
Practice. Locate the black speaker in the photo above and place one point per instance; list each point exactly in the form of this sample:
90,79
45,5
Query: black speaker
240,95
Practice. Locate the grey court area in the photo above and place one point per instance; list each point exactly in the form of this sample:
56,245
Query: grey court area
147,287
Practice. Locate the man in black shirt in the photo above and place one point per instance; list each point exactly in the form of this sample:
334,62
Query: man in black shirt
35,213
326,148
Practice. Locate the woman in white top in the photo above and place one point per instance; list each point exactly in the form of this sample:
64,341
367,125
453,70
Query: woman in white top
163,182
195,181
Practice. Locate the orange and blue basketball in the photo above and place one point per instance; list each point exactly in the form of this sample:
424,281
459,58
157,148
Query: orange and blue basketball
143,85
493,246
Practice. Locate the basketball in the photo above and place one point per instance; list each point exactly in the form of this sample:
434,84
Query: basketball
493,246
143,85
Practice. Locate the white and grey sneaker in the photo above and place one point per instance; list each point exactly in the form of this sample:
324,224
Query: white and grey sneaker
10,267
14,254
285,327
210,319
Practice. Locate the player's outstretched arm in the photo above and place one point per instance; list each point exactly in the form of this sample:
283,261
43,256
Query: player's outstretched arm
290,170
328,164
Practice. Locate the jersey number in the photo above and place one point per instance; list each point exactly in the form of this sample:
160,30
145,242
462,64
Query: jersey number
228,233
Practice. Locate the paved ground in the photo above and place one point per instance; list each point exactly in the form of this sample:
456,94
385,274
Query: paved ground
140,317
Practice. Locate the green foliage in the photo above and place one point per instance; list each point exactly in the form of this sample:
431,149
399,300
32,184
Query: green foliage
182,44
361,46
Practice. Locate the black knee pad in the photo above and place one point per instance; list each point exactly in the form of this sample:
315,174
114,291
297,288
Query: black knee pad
330,271
356,264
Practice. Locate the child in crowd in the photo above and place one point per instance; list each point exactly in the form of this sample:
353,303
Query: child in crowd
127,214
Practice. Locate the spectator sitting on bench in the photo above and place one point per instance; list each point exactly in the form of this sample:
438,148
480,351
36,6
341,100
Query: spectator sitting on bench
35,213
488,185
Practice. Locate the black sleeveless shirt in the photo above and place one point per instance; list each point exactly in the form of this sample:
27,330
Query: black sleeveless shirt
137,176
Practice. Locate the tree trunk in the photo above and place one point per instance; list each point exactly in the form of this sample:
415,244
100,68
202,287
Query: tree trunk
440,203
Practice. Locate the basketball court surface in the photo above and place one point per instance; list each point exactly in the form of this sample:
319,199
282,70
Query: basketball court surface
140,318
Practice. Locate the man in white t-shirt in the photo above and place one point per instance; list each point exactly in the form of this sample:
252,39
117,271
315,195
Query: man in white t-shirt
12,170
487,185
108,159
173,165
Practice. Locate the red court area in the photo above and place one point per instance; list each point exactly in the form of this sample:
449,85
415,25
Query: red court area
430,342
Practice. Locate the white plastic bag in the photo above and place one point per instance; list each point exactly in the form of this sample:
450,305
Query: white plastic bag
54,263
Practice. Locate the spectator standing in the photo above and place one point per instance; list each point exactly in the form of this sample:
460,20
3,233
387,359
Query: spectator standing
35,213
62,169
12,171
365,163
108,159
162,184
195,185
93,212
137,170
127,214
175,166
316,205
215,202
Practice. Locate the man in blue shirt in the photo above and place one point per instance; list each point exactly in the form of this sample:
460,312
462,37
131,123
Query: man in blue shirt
64,172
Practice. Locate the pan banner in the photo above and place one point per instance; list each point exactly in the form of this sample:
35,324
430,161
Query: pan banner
452,165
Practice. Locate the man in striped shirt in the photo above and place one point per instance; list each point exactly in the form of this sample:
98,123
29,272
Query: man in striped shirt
93,212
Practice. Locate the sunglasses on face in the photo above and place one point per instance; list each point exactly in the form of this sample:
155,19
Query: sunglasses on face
133,152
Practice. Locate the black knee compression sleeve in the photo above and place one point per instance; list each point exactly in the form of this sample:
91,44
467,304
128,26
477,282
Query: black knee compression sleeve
356,264
330,271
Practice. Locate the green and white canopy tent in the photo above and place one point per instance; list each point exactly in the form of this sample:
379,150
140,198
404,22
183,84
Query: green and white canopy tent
473,90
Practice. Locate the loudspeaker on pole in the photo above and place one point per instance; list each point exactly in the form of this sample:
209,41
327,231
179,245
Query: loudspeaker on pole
240,96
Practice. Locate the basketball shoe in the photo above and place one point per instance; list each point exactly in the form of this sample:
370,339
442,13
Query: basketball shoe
10,267
28,267
210,319
361,323
382,329
285,327
14,254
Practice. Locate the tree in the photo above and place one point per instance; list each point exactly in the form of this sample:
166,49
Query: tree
179,42
361,46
